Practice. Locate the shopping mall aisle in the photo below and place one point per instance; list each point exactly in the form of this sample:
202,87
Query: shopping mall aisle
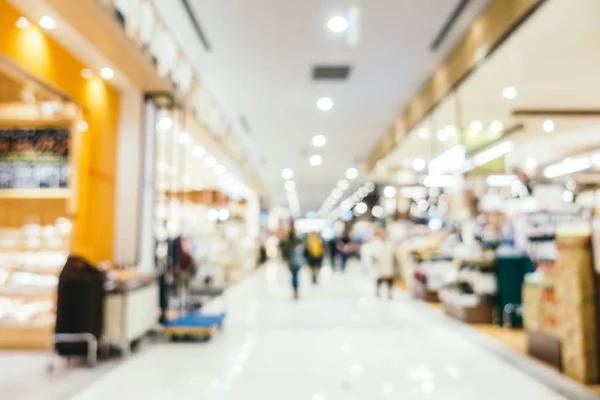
338,342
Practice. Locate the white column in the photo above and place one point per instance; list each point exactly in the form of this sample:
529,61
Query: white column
129,158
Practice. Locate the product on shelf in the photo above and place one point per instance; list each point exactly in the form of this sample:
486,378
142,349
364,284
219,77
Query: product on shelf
576,307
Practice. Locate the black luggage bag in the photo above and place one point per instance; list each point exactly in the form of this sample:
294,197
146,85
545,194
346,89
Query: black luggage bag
79,309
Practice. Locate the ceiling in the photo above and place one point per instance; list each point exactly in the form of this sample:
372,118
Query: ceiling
552,69
259,69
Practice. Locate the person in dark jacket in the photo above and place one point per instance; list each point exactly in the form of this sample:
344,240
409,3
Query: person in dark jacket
291,252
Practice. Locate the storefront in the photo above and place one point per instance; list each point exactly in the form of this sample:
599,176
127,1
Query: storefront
508,161
58,130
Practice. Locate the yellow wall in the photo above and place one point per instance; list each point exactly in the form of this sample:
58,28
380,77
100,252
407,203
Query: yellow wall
45,59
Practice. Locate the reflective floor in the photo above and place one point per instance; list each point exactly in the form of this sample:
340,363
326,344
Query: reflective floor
337,342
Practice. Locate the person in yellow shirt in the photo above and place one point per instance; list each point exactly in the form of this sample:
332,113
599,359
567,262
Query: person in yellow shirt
314,254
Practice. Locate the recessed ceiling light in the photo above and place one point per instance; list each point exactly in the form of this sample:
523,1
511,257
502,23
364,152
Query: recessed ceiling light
165,123
337,24
223,214
220,169
184,137
351,173
496,126
162,166
419,164
389,191
87,73
531,163
210,161
370,186
319,140
450,130
198,151
476,126
423,133
47,22
337,193
82,126
442,136
22,23
510,92
377,211
548,126
287,174
361,208
290,185
107,73
212,214
315,160
343,184
325,104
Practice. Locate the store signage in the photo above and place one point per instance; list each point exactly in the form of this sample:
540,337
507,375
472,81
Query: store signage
34,158
448,162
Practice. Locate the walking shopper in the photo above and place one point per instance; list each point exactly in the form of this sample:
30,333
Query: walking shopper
291,252
382,250
332,251
344,247
314,254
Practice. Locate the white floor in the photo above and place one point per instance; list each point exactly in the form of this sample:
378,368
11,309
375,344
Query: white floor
337,342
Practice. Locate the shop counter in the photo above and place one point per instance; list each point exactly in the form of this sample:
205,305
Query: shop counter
130,310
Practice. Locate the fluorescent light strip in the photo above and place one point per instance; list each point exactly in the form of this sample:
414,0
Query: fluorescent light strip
492,153
568,167
439,181
500,180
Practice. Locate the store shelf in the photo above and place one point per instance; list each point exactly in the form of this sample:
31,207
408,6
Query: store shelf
35,193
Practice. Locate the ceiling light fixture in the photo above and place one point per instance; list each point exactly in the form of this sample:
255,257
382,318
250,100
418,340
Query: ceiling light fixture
315,160
212,214
198,151
220,169
289,185
210,161
377,211
47,23
87,73
450,130
343,184
476,126
165,123
493,152
500,180
107,73
531,163
351,173
287,174
22,23
442,136
439,181
423,133
337,24
361,208
419,164
325,104
337,193
496,126
510,92
548,126
389,192
82,126
184,137
319,140
568,167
